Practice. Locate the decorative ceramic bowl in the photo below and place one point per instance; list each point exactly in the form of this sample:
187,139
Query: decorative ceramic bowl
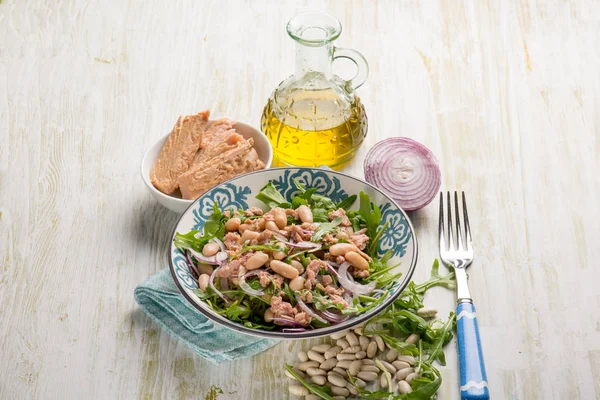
240,193
174,202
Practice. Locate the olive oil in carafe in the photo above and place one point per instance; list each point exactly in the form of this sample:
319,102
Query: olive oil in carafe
312,128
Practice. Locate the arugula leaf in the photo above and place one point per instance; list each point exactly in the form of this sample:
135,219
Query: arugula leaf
444,334
189,241
318,390
325,227
347,202
370,213
270,196
213,226
320,215
447,281
237,311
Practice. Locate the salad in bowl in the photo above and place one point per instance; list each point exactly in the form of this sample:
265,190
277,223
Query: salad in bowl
292,252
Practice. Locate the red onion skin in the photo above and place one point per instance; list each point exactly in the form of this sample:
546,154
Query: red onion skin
416,192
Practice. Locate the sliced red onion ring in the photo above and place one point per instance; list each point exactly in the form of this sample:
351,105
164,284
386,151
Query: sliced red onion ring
348,282
279,236
333,317
287,322
213,260
191,264
309,311
211,283
406,170
244,285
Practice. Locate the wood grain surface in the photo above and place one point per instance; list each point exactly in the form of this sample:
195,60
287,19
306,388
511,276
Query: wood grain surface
505,93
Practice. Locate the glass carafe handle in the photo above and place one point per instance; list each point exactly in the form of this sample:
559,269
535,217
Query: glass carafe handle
361,65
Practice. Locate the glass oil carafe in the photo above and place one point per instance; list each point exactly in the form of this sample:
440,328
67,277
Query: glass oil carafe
314,117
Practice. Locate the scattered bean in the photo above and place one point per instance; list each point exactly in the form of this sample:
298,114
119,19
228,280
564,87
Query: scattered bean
338,335
312,397
400,365
298,390
367,376
388,366
342,343
413,339
364,342
351,339
283,269
203,281
328,364
403,373
319,379
338,398
298,265
304,214
360,383
313,355
351,389
351,350
340,390
295,370
345,356
359,330
360,355
315,371
427,312
404,387
332,352
367,361
391,355
355,367
257,260
408,359
372,350
232,224
302,356
380,344
383,381
205,269
304,366
345,364
369,368
410,377
336,380
339,371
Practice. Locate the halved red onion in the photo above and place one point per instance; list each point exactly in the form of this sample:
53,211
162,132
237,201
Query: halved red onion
244,285
213,260
211,283
349,284
308,310
406,170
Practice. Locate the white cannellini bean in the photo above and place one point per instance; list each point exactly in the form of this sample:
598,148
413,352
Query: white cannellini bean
313,355
351,389
360,355
332,352
338,397
372,349
321,348
364,342
319,379
268,316
358,331
367,361
403,373
297,283
283,269
280,218
339,371
304,366
313,396
233,224
351,350
427,312
261,223
380,343
383,381
351,339
410,377
328,364
336,380
413,339
356,260
292,376
315,371
298,265
346,356
342,343
340,390
298,390
210,249
341,249
205,269
203,281
354,367
404,387
257,260
271,226
360,383
388,366
370,368
302,356
400,365
407,359
345,364
367,376
391,355
338,335
304,214
249,235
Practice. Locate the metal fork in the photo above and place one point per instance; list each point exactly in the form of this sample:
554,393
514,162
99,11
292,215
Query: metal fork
473,380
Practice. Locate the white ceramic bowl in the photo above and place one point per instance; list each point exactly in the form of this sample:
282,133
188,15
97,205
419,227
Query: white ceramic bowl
174,202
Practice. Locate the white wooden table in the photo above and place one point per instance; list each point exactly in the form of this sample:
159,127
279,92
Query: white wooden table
506,93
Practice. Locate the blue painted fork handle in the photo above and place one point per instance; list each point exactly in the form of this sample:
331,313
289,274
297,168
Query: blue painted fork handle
473,381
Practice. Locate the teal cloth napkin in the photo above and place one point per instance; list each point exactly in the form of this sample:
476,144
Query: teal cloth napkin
160,299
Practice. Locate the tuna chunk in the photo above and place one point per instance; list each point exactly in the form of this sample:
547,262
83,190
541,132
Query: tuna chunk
201,177
179,151
217,139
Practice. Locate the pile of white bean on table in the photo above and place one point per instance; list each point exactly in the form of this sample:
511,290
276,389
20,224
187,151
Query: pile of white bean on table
367,358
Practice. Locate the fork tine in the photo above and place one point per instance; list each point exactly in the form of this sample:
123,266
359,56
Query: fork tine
458,233
466,221
441,224
450,239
